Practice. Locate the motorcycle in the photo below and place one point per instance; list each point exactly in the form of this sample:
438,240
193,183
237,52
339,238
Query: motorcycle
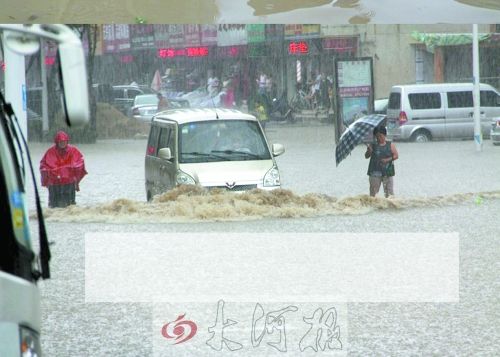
280,110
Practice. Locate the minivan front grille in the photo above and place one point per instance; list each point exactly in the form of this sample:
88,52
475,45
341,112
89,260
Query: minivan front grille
234,188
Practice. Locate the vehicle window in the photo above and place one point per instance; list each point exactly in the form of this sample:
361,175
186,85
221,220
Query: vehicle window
489,99
146,99
132,93
425,100
394,101
460,99
153,141
165,134
222,140
118,93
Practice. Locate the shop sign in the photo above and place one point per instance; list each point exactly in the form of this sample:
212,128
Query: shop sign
208,35
115,38
256,33
274,32
183,52
298,48
142,36
257,50
127,59
231,51
300,31
340,44
161,36
231,35
192,35
176,35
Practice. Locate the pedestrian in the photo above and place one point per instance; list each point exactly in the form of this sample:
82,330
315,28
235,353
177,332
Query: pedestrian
62,168
162,102
382,155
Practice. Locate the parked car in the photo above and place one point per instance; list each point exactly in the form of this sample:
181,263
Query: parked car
495,131
380,106
422,112
214,148
124,95
146,105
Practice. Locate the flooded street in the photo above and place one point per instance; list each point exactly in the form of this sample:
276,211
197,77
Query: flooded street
440,187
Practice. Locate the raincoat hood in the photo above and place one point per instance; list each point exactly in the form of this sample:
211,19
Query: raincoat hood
61,136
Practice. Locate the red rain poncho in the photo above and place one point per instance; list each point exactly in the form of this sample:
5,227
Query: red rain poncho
62,166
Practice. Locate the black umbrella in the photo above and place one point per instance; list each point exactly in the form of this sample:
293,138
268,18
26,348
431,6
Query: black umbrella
355,134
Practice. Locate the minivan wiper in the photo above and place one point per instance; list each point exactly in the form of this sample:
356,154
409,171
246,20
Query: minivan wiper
239,152
196,153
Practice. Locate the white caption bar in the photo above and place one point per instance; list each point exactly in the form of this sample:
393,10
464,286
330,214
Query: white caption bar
302,267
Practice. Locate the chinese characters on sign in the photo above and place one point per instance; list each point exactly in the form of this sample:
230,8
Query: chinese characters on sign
180,52
318,332
296,48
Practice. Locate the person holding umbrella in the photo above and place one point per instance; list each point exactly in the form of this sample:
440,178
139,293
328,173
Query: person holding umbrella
381,167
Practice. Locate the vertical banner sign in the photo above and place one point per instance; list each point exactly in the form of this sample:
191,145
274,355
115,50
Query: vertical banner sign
354,78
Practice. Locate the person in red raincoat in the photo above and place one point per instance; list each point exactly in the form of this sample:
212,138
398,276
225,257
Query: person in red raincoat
62,168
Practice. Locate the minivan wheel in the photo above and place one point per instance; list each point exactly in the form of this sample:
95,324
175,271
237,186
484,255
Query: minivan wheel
421,136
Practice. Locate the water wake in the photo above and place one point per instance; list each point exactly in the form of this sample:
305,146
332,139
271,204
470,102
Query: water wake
192,203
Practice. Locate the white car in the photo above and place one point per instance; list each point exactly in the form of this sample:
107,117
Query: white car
146,105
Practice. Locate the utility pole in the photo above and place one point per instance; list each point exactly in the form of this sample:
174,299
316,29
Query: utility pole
478,135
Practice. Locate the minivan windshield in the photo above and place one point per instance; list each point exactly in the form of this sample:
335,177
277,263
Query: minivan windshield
222,140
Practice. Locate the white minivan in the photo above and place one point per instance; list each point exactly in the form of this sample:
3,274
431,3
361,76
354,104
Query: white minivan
422,112
213,148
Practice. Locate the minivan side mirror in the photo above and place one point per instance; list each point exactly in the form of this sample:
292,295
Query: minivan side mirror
278,149
165,153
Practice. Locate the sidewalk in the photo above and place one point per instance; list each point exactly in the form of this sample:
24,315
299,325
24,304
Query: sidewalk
306,118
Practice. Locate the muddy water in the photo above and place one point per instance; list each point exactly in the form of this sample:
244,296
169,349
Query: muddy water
266,7
487,4
249,11
123,11
190,203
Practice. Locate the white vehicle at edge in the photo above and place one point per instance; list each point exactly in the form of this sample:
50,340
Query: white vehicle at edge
20,266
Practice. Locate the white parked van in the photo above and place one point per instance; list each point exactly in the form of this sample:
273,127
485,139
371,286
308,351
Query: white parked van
214,148
422,112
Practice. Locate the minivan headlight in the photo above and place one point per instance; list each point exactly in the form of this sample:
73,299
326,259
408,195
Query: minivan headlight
272,177
182,178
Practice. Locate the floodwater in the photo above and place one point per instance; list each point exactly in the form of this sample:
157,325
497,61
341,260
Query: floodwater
312,186
253,11
440,187
194,204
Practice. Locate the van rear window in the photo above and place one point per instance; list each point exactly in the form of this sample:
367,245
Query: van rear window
425,100
394,101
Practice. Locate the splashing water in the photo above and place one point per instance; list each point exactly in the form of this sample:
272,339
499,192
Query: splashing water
193,203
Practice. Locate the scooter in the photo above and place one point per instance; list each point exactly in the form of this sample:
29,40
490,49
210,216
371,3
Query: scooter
280,110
